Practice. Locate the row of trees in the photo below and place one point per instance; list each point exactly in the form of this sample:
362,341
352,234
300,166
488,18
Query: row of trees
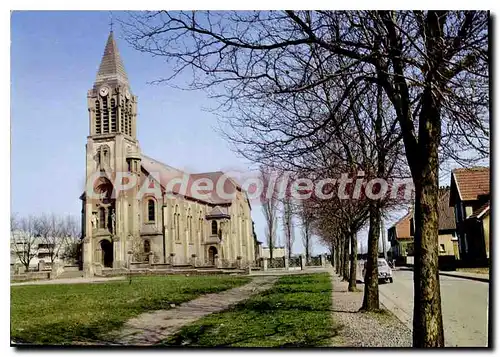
389,94
274,203
57,236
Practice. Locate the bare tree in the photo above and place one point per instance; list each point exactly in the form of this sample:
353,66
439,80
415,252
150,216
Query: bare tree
49,229
433,66
269,202
24,242
288,225
70,239
307,218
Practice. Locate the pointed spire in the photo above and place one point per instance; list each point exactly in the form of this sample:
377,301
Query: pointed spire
111,67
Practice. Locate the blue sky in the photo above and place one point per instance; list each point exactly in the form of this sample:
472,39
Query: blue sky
54,61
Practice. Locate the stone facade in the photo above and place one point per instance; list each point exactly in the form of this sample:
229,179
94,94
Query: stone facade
163,223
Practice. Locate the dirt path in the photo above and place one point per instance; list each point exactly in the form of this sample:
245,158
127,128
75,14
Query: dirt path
153,327
361,329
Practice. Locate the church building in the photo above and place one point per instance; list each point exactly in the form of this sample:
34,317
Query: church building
169,222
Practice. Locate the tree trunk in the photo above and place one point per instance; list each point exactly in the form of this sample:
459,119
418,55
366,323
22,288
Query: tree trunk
337,257
345,262
354,262
371,297
332,254
371,301
307,248
427,318
427,314
271,248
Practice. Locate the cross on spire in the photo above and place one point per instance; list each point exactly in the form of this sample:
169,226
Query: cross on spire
110,21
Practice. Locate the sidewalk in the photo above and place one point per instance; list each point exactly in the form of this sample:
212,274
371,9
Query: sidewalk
465,275
458,274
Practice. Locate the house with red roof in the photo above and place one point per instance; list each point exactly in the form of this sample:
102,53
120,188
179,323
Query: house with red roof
470,197
401,234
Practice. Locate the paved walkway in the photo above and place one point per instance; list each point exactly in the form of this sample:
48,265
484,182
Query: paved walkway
153,327
69,281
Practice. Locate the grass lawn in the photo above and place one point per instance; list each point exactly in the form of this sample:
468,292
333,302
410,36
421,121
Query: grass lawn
296,312
63,314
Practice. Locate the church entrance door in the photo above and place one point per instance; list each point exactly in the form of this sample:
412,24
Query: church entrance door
212,252
107,253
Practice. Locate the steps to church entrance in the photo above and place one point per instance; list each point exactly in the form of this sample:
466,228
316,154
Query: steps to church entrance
153,327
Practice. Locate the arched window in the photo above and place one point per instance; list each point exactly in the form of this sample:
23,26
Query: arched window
214,228
177,231
97,117
151,210
113,115
105,116
130,119
147,246
122,122
102,217
190,226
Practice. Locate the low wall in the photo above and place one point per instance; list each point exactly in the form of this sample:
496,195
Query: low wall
38,275
160,272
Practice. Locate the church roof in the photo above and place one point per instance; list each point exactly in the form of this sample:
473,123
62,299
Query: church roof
111,68
167,175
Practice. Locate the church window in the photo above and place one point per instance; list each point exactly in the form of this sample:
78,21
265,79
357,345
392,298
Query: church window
147,246
105,116
214,228
244,232
200,224
176,224
126,121
151,210
190,227
129,165
122,123
130,119
102,217
97,117
113,115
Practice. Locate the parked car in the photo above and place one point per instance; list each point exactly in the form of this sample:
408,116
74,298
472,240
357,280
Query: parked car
384,271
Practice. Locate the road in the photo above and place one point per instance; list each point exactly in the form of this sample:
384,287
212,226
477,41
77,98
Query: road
464,305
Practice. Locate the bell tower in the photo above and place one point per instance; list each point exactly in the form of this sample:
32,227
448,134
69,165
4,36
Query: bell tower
112,148
112,106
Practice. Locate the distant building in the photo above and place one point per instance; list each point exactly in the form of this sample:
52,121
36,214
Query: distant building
401,234
448,240
21,247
